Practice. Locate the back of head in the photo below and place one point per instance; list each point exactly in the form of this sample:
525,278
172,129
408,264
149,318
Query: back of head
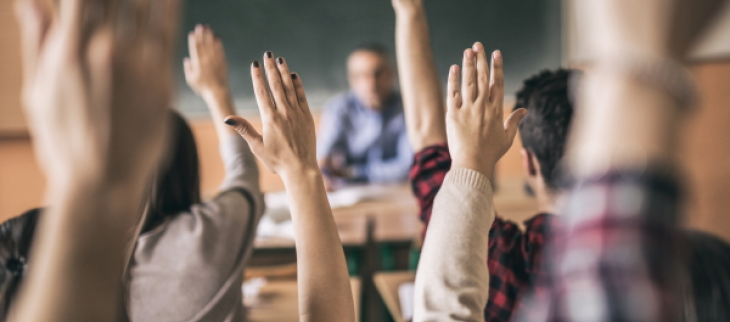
16,238
544,130
177,184
709,270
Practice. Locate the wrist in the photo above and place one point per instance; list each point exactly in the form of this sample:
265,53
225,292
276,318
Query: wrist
298,174
215,94
484,168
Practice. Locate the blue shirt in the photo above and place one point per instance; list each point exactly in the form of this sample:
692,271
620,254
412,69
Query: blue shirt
372,143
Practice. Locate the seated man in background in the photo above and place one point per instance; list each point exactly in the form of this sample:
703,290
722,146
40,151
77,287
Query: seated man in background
363,133
514,255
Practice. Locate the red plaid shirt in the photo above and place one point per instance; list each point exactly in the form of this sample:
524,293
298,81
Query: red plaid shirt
514,258
614,256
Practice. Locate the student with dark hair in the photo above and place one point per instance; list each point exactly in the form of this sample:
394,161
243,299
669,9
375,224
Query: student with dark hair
189,259
514,256
362,136
544,131
619,256
99,166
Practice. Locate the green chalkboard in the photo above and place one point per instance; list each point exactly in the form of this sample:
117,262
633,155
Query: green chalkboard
315,36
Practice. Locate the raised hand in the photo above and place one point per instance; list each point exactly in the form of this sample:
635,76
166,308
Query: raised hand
288,141
96,94
476,134
205,70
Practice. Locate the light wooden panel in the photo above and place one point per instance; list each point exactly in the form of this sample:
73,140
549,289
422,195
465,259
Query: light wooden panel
11,116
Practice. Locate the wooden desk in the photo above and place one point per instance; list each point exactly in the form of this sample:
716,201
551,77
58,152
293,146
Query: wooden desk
278,302
387,285
352,230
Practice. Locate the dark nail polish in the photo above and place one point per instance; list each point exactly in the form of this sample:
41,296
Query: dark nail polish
280,60
230,122
269,54
294,76
256,64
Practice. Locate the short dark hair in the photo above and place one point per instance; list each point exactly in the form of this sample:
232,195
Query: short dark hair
544,130
709,272
16,239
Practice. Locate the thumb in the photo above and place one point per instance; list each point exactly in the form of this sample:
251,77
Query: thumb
512,122
34,21
247,131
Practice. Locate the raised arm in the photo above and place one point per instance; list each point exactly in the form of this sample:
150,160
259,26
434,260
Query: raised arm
423,101
97,98
623,157
287,147
206,73
452,281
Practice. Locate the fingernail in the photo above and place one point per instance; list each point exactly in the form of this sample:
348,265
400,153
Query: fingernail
269,54
469,53
497,54
230,122
280,60
256,64
477,46
294,76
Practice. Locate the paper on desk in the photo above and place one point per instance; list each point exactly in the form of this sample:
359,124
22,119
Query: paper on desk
251,290
406,293
276,221
277,203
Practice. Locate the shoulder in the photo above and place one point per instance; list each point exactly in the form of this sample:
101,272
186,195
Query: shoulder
510,237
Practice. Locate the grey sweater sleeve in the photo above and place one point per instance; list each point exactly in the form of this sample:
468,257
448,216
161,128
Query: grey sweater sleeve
240,165
452,282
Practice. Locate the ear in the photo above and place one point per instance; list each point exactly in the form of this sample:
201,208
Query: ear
529,162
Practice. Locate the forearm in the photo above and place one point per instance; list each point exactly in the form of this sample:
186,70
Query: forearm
625,124
220,104
423,100
324,287
452,283
89,223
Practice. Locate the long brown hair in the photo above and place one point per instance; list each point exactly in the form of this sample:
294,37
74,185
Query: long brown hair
176,187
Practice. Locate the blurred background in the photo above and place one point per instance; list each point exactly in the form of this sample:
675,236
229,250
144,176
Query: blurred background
316,36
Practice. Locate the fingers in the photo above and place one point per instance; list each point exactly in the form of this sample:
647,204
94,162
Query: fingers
263,99
496,80
482,72
33,20
453,101
165,18
512,124
286,78
70,19
247,131
193,46
275,84
469,77
496,84
299,90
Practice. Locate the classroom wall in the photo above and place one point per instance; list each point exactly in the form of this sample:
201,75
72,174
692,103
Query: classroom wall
706,158
22,183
